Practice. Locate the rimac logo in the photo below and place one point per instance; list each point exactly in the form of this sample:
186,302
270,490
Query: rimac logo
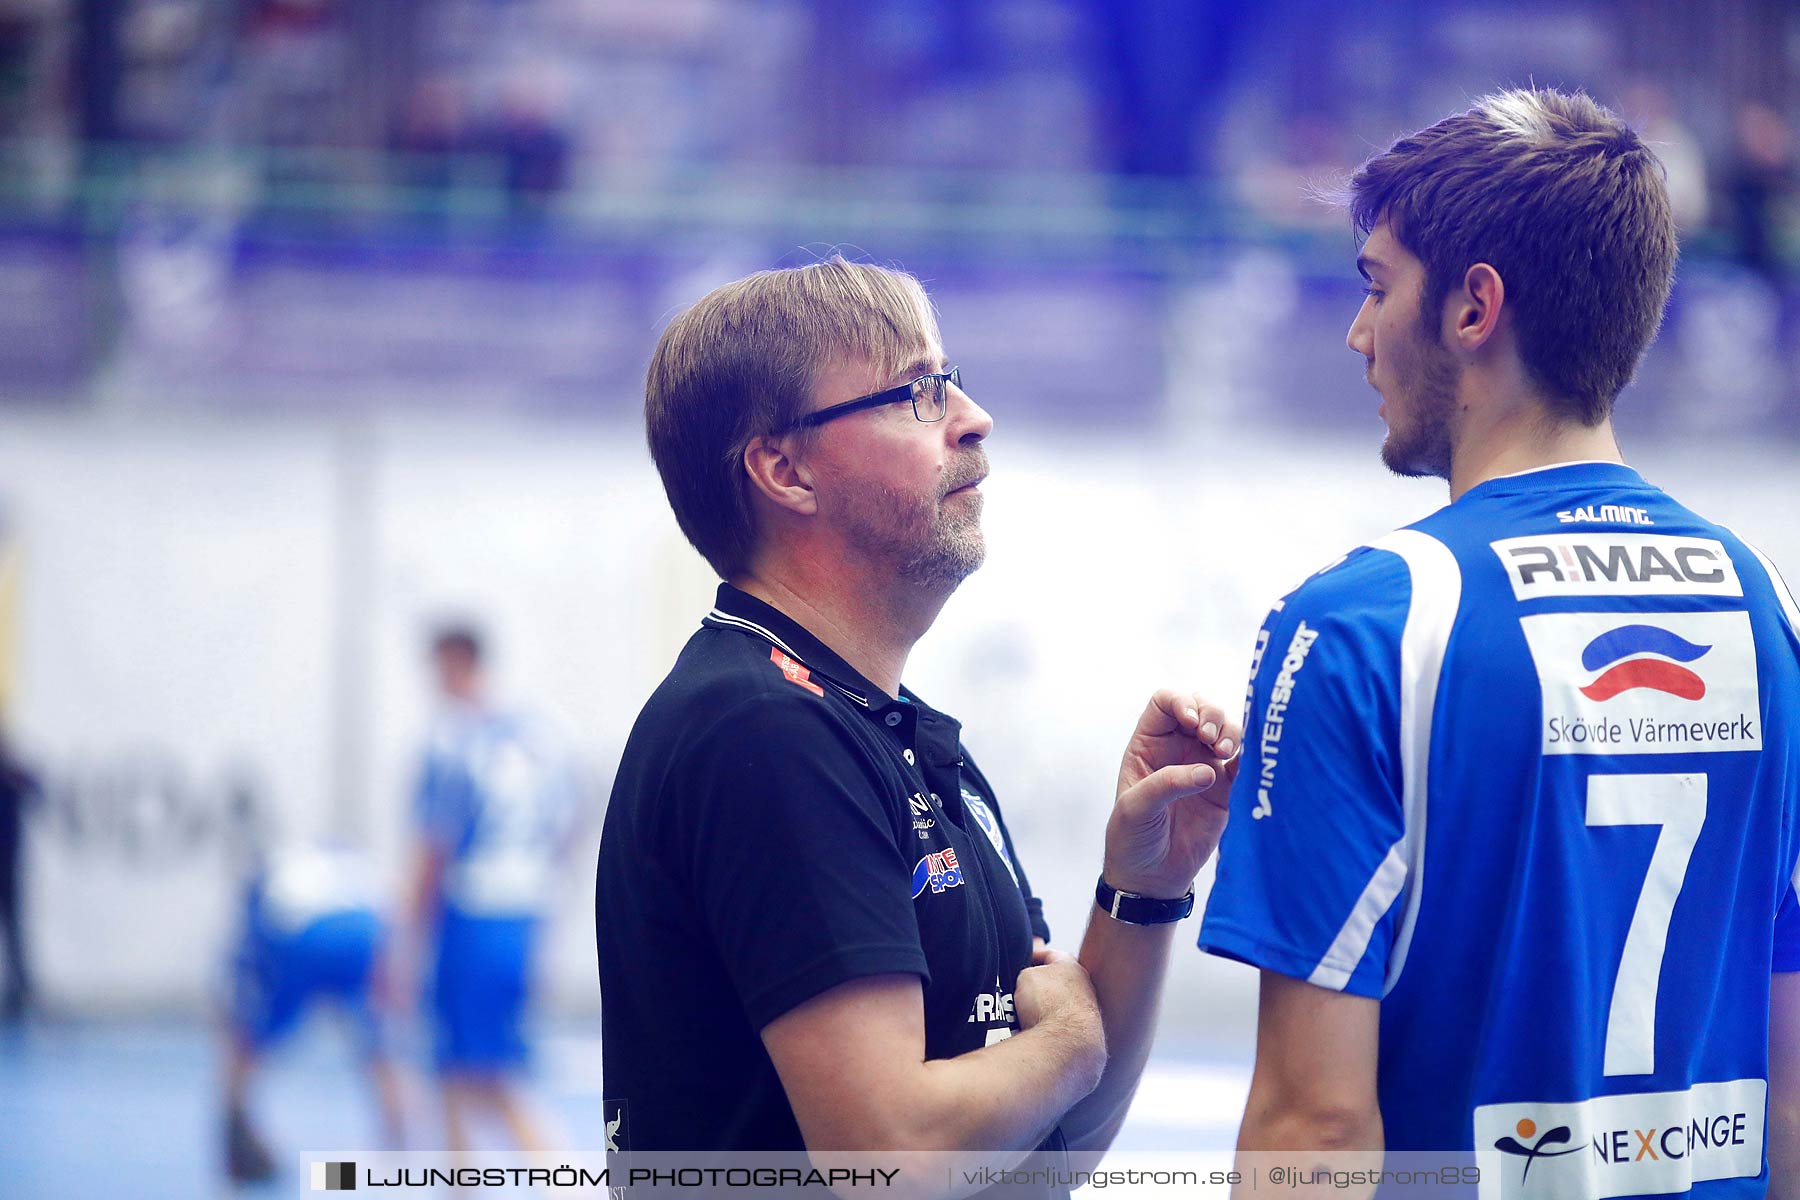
1619,564
334,1177
938,870
1642,656
1527,1129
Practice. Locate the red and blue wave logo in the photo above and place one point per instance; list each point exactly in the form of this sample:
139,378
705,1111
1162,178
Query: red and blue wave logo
1642,656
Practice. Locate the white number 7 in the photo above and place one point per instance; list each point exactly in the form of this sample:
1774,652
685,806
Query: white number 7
1678,804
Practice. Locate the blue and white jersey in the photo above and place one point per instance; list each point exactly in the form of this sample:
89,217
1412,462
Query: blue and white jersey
1527,772
299,886
496,796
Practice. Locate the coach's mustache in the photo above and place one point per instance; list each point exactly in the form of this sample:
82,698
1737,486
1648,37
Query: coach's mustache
969,470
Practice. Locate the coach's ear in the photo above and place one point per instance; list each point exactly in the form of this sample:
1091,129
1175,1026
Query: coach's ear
778,474
1472,311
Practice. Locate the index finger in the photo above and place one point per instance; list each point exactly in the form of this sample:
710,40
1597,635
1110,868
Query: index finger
1168,711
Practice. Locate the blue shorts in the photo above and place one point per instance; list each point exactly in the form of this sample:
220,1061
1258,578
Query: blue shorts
279,976
479,991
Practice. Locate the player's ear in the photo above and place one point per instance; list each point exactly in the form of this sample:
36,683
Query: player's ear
1475,307
778,474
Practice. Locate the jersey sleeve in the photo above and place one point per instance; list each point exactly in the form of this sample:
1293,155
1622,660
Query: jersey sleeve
784,833
1311,862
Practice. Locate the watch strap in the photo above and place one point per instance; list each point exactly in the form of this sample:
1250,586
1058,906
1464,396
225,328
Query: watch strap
1134,909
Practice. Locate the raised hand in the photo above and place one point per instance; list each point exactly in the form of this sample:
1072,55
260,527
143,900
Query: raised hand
1174,784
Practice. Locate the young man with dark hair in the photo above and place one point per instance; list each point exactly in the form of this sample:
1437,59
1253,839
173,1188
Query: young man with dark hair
1517,825
815,930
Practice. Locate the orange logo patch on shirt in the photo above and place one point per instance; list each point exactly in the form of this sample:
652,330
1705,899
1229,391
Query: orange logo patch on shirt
795,672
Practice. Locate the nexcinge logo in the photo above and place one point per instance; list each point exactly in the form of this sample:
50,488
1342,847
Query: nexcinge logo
1642,656
334,1177
1626,1144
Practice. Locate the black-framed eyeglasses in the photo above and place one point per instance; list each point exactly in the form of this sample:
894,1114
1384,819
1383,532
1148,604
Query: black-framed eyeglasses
930,396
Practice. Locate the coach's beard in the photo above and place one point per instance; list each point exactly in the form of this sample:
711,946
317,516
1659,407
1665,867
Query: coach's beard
933,542
954,550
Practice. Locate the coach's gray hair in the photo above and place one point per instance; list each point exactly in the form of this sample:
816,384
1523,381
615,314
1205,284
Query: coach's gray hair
741,363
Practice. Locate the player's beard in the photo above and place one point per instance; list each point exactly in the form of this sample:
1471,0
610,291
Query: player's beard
1421,415
932,541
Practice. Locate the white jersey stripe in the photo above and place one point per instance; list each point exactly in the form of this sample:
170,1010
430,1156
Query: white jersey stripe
1436,596
1436,593
1779,585
1792,612
1335,969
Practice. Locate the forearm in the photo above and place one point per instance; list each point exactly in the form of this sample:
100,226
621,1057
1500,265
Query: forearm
1003,1097
1271,1123
1127,964
1784,1087
1784,1142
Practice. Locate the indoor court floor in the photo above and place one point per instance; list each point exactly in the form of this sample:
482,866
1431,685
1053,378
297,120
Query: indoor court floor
131,1109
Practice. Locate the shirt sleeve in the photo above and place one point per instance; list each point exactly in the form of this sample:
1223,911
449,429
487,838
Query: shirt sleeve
1311,863
789,842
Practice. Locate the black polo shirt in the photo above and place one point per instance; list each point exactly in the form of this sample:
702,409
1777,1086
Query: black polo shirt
780,826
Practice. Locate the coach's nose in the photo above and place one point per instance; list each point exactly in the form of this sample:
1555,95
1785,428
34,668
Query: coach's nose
970,422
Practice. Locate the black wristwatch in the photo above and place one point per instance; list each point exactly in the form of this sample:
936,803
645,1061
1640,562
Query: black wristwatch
1134,909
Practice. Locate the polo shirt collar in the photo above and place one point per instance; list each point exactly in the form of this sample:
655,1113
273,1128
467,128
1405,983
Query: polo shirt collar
735,608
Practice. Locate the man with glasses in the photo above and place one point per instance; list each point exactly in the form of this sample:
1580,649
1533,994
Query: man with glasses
815,931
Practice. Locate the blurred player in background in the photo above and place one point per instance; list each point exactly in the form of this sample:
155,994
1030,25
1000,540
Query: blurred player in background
494,804
1517,822
18,790
311,933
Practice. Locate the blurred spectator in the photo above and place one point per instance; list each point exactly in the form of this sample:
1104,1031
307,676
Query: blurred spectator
18,33
494,805
1647,105
433,130
1759,186
310,933
1283,176
18,791
531,141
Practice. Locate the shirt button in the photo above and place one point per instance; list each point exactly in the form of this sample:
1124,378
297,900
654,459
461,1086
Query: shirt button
893,719
908,755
